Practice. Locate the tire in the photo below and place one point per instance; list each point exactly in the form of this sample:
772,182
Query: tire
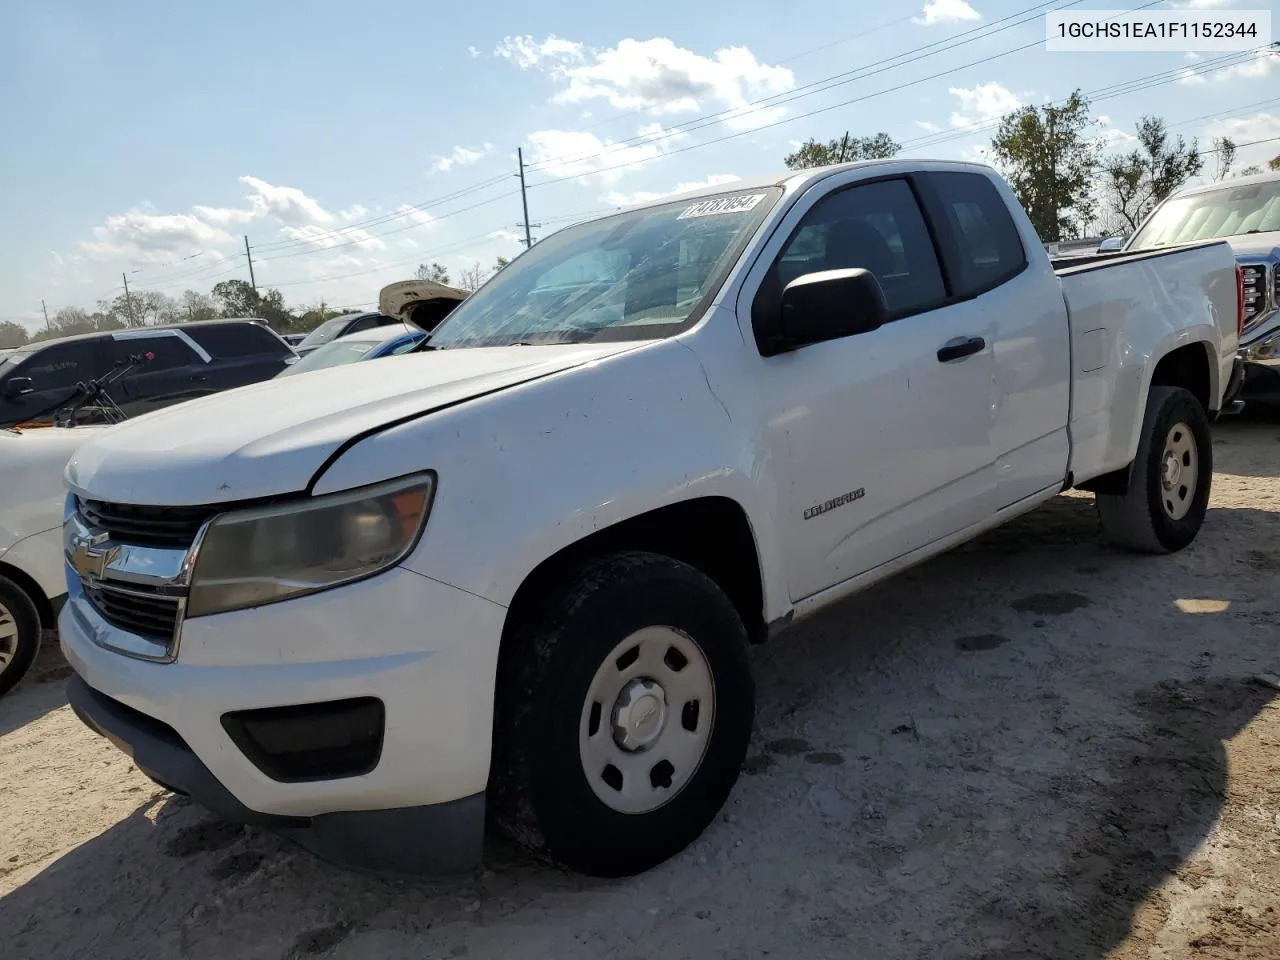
20,634
558,716
1163,511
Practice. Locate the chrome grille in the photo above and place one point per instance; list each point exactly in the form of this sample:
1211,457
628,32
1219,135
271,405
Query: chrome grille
146,526
1255,290
136,609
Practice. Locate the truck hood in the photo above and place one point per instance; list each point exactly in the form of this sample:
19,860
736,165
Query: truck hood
271,438
1256,245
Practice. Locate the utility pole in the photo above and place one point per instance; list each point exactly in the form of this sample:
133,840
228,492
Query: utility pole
844,148
128,300
45,311
252,282
524,200
1053,173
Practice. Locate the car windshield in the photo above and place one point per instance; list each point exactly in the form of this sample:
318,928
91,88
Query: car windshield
1227,212
330,355
325,332
639,275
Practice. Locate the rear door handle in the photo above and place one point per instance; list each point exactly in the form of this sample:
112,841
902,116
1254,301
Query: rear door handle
960,347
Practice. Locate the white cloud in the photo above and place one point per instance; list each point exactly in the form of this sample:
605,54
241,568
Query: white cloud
460,157
986,101
146,236
664,79
223,214
526,52
974,153
323,239
1188,78
927,126
1192,57
1202,4
354,212
1259,126
415,216
287,204
473,51
571,153
617,199
946,11
508,235
1261,65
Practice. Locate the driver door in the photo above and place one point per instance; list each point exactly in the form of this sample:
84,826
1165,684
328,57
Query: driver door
883,440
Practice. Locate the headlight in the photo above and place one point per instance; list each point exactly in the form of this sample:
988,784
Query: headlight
252,557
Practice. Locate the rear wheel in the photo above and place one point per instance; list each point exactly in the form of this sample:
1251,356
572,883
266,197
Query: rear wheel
624,716
19,634
1171,478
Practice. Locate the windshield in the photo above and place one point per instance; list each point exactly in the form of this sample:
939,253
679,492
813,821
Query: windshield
640,275
1229,212
325,332
330,355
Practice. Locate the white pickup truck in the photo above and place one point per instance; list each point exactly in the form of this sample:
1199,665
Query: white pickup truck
520,569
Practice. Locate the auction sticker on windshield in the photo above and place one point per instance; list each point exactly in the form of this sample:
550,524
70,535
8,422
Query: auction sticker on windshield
711,208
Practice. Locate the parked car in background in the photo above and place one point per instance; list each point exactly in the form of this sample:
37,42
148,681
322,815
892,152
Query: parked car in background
293,339
1244,212
420,303
185,361
366,345
341,326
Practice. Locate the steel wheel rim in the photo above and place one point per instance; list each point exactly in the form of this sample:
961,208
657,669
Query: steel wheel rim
647,719
8,638
1179,471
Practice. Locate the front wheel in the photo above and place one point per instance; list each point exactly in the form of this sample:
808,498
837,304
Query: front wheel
624,716
1172,474
19,634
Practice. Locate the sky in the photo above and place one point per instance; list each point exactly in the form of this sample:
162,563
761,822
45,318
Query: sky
351,142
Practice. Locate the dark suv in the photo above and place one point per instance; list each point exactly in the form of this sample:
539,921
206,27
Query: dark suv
181,361
340,327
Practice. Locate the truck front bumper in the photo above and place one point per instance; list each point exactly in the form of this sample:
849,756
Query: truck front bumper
357,721
440,838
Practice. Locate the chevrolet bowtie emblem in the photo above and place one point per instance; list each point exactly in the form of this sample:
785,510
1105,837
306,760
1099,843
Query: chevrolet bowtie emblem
89,558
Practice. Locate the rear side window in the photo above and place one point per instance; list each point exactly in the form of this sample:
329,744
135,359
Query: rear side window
987,250
167,352
230,340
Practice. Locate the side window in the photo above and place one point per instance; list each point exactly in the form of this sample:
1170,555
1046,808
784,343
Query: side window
364,323
61,366
230,340
878,227
383,320
169,352
987,250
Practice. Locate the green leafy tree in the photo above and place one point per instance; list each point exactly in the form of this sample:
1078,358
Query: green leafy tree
436,272
12,334
1249,171
236,298
1274,162
1137,181
1225,150
193,306
842,150
1050,162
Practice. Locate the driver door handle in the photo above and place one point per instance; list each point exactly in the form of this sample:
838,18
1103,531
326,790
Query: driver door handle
960,347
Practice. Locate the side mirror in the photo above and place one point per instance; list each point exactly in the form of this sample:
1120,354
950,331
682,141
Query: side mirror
16,387
830,305
1111,245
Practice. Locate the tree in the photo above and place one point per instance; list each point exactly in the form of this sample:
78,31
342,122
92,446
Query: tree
236,298
471,278
1135,182
12,334
1225,148
811,153
1249,171
503,261
1274,162
194,306
436,272
1050,164
70,321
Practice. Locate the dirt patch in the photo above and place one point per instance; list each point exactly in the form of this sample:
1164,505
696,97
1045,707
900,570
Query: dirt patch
1102,781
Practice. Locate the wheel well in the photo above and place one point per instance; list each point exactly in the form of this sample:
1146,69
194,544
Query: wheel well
710,534
1186,367
48,618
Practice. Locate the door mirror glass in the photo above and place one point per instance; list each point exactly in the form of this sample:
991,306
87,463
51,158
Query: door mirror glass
1111,245
17,387
831,304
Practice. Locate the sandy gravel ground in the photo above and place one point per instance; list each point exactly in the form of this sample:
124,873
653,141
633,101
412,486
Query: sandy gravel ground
1033,747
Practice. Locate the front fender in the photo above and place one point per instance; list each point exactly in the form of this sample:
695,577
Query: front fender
525,472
